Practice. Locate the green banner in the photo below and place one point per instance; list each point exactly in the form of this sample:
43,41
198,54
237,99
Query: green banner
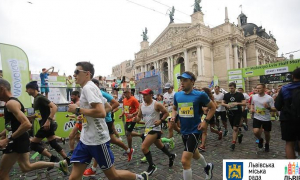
119,125
272,68
16,71
175,75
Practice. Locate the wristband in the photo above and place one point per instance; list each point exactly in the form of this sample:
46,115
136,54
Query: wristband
50,118
77,112
206,120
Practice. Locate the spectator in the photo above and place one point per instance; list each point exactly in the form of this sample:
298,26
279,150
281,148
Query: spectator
287,102
132,86
69,83
123,82
101,83
44,80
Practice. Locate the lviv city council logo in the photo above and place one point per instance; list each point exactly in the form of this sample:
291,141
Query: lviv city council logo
234,170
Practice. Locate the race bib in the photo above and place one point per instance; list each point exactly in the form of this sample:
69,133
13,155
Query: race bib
203,117
38,115
261,111
186,110
147,130
84,121
233,108
126,109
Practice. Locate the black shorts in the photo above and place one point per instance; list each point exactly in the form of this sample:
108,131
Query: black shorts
245,113
266,125
234,119
19,146
129,126
190,142
176,119
212,120
290,130
155,132
110,127
222,114
46,133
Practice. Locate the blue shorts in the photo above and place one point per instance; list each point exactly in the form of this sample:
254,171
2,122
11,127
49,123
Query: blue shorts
44,89
101,153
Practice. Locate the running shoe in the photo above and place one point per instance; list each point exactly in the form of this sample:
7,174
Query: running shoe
267,147
261,143
257,141
144,159
63,140
53,159
151,169
145,175
130,154
232,147
245,126
172,143
89,172
220,135
63,167
208,171
171,159
225,133
240,138
201,148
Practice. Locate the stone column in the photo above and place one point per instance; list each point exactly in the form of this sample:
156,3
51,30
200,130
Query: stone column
186,60
172,68
212,61
227,57
169,68
236,60
202,61
256,52
199,61
244,58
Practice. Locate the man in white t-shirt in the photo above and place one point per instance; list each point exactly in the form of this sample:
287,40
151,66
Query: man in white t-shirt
168,103
220,111
94,139
261,105
245,109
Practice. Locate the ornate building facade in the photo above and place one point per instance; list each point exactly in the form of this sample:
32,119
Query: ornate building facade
206,51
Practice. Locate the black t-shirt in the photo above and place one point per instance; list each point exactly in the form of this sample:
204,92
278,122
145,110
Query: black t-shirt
41,104
11,120
236,97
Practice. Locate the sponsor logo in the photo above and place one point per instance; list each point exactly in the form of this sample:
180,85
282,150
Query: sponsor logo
69,125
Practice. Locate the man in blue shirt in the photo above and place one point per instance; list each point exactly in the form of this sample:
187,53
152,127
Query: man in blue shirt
44,80
188,105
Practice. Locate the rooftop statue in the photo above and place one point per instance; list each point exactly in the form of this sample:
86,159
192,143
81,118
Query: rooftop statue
171,15
145,37
197,6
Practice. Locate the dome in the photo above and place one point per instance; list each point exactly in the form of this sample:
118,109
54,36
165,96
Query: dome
249,30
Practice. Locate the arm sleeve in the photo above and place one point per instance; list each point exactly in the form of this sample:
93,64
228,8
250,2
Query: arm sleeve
45,101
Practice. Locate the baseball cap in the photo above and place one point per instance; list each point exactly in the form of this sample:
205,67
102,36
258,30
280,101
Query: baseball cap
146,91
32,85
186,76
168,86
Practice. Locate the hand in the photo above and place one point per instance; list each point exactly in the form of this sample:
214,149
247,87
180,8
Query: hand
46,126
4,143
129,116
202,126
157,122
72,108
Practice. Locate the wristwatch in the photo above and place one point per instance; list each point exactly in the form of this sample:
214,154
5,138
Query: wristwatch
77,111
50,118
10,138
206,120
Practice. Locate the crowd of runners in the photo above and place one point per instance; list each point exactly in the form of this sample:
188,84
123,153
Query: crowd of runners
189,112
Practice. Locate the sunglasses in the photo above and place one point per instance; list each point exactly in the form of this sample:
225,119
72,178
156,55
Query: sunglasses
77,71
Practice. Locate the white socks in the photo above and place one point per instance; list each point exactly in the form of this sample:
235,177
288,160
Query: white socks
202,161
187,174
56,165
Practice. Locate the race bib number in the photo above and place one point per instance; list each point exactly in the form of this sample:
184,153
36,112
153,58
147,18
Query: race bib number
126,109
84,121
186,110
233,108
147,130
260,111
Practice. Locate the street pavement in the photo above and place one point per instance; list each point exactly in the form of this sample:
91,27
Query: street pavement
216,151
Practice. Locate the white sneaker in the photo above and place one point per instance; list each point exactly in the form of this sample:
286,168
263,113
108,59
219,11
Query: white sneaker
208,171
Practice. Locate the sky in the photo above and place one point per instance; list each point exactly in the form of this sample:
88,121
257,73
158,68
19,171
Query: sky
60,33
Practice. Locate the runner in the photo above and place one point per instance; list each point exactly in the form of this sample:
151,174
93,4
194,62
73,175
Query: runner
16,144
233,101
212,122
113,139
75,133
261,106
168,102
94,139
245,109
188,103
150,112
130,110
220,111
45,110
44,80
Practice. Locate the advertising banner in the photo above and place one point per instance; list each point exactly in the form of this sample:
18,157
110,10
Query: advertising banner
272,68
175,75
16,71
236,75
276,78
